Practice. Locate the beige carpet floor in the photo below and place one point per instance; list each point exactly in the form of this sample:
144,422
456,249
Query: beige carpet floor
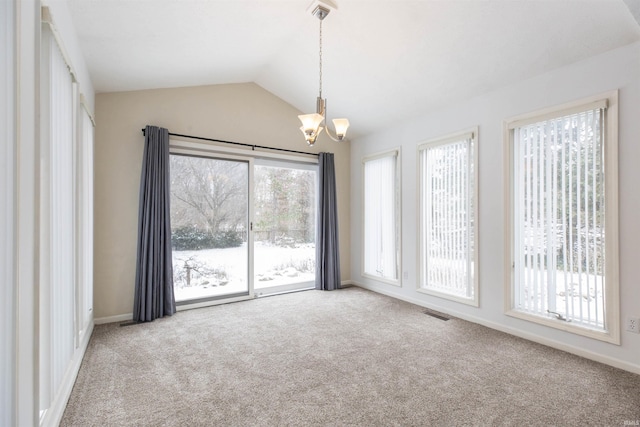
343,358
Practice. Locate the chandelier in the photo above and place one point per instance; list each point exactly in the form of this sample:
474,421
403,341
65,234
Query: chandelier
312,123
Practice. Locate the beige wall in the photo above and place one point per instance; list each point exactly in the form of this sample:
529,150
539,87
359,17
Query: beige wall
236,112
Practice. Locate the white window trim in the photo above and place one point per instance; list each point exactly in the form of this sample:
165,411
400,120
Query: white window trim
446,139
202,148
397,152
612,291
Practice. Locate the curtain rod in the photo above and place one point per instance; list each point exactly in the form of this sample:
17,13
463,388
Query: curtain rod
253,147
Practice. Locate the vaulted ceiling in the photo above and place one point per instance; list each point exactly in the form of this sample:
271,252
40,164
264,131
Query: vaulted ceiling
383,60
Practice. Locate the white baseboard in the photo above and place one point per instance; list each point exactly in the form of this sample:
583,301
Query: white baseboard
129,316
607,360
54,413
114,319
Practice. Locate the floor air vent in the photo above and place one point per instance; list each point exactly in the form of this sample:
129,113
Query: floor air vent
437,315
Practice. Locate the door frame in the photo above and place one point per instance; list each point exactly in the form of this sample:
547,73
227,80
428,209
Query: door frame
223,299
183,145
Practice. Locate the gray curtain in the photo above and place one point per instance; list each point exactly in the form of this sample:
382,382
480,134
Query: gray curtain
154,272
327,250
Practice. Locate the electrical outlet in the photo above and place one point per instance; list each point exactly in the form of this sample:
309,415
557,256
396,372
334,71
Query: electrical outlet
633,324
405,276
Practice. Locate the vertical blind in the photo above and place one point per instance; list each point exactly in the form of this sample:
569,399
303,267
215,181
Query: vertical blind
447,217
559,217
58,281
380,222
7,217
85,224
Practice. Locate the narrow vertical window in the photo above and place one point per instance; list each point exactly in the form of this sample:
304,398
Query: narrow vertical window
448,264
560,217
57,203
381,233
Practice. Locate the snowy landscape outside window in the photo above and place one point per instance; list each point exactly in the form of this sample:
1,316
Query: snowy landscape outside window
284,229
562,222
210,199
209,222
381,230
448,199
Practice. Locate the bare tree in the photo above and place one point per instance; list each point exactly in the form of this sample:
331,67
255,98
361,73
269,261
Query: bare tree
209,194
285,205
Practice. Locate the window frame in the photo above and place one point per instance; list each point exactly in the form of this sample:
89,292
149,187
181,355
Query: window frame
611,333
443,140
397,152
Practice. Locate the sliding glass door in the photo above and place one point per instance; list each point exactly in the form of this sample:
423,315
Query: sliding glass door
285,226
241,223
210,227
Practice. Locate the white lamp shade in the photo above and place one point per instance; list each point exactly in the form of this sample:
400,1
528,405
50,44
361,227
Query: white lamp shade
311,122
341,126
311,126
311,137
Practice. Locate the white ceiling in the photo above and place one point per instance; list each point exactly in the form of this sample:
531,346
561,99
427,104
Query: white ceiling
384,60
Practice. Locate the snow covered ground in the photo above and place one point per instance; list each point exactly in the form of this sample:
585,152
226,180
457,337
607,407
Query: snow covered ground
215,272
576,295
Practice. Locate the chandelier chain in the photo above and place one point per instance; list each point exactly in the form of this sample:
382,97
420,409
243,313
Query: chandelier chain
320,56
312,123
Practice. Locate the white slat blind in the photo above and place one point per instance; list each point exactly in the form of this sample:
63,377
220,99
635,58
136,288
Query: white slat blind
7,216
62,210
559,213
447,206
57,221
380,221
85,224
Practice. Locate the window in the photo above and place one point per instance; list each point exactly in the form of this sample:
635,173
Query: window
563,237
58,98
381,232
84,221
448,193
